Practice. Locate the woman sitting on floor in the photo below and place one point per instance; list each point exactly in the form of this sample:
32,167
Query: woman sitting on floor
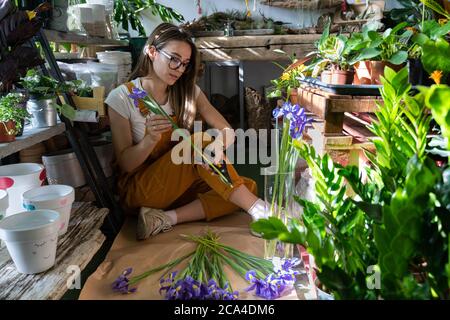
167,193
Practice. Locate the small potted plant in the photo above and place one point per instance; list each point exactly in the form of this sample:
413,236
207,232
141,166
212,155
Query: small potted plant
333,58
42,104
12,116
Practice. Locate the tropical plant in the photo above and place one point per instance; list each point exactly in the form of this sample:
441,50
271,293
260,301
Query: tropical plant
11,110
400,217
390,46
129,12
435,49
332,50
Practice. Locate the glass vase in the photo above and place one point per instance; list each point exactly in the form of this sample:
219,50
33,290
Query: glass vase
278,193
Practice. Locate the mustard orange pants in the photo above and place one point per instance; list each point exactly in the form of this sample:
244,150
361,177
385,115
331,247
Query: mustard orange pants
166,185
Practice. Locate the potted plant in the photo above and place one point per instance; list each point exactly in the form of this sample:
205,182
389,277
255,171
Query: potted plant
377,50
333,58
12,116
42,104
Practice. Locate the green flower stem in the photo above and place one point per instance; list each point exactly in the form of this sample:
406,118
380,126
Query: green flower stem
241,268
168,266
254,261
153,106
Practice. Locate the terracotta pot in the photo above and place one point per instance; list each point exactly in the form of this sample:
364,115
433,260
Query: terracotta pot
4,136
377,70
293,96
341,77
325,76
362,73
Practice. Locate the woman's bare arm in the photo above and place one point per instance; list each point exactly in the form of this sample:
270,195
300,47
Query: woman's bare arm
129,156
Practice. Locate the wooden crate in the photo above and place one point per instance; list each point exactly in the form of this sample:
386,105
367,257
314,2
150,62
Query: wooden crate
331,107
96,103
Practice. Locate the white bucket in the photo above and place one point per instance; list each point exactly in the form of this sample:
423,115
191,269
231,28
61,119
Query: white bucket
31,239
56,197
19,178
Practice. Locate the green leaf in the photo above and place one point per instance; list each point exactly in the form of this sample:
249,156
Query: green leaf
381,239
269,228
373,210
399,57
402,245
335,279
368,54
67,111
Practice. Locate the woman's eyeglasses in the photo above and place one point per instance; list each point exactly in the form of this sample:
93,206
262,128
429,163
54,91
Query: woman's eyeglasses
175,63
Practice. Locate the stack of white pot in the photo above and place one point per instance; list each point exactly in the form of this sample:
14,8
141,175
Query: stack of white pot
120,59
31,236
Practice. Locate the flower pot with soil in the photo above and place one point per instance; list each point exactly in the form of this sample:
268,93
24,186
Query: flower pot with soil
342,77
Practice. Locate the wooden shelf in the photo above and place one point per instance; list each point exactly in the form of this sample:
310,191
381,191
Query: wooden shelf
306,4
30,137
75,248
255,48
70,37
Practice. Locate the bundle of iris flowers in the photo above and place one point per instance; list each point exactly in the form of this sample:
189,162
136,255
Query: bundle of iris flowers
204,278
150,103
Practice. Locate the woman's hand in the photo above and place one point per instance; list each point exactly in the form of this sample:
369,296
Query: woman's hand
156,125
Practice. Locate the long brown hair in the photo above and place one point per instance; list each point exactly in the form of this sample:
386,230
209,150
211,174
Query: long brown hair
182,93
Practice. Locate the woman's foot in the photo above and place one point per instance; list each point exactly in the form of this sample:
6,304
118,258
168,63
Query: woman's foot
151,222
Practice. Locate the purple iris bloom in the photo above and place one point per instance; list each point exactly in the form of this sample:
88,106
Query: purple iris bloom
288,264
275,284
121,284
191,289
277,112
137,95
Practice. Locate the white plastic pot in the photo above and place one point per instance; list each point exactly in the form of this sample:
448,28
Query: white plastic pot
31,239
3,203
19,178
56,197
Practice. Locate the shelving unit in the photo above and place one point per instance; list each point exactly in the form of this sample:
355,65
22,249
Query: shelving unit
70,37
30,137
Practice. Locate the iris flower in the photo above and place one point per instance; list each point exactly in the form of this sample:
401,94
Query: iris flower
121,284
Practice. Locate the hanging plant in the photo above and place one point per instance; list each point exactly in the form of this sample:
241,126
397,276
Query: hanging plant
130,11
